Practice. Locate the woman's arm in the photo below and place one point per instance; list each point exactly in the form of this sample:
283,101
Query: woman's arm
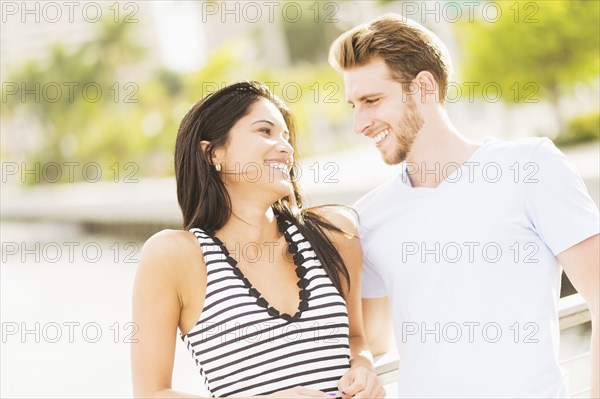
377,322
158,297
361,381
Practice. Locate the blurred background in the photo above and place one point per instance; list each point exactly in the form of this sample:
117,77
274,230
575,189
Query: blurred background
93,93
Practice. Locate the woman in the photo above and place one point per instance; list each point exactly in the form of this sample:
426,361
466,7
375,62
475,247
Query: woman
263,300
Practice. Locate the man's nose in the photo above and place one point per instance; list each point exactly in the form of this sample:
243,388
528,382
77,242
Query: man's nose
361,121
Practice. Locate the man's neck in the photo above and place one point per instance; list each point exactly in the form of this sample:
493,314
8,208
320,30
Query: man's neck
437,152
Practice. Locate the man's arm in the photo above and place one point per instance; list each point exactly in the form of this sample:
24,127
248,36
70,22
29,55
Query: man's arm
377,320
360,381
581,263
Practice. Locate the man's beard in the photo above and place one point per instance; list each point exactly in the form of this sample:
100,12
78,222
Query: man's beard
407,129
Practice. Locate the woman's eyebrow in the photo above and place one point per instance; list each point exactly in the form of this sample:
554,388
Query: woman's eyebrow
263,120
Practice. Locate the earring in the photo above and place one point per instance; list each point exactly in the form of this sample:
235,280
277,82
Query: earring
218,167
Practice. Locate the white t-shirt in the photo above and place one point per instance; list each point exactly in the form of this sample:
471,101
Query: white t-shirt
471,272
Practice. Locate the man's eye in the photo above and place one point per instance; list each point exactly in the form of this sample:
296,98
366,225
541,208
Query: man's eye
372,101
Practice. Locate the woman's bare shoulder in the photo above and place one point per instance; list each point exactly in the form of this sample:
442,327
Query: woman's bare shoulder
169,252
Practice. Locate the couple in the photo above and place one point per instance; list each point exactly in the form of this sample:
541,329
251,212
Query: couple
464,267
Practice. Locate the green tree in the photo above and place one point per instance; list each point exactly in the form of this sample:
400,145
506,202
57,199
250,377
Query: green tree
143,132
75,120
534,50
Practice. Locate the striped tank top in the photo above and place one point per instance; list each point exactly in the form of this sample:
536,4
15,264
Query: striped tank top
245,347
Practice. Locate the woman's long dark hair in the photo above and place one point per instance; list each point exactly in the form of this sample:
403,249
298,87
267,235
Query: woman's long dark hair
202,196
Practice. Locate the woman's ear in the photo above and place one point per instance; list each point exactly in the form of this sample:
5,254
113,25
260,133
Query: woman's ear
204,147
217,153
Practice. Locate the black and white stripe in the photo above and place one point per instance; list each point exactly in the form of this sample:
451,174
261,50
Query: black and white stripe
242,346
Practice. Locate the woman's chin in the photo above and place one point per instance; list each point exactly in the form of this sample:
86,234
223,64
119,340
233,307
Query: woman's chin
281,189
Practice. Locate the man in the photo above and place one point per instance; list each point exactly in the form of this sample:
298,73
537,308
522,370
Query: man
465,244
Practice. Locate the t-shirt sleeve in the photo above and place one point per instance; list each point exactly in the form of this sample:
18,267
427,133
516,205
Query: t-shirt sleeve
372,282
557,201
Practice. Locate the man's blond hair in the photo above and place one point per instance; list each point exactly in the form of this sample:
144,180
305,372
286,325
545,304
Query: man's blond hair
405,46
